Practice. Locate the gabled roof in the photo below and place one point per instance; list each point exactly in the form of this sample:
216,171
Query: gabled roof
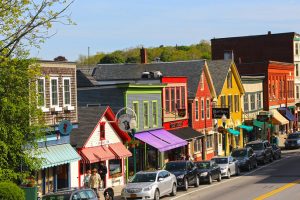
83,80
190,69
219,69
88,118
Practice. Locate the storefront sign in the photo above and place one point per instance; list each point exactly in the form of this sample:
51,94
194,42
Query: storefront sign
217,113
262,118
124,122
177,124
65,127
181,112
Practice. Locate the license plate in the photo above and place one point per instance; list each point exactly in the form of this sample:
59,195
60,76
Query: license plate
133,195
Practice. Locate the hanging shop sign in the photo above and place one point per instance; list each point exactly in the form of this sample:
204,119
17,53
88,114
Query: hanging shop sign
217,113
65,127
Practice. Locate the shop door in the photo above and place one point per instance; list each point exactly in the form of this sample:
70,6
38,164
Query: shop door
62,176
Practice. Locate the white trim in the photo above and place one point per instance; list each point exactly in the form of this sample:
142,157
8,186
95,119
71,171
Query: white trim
66,106
55,108
196,101
43,107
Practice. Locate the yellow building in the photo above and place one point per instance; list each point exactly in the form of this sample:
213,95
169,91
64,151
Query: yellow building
229,90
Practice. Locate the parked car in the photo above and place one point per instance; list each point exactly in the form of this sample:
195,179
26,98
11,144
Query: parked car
229,166
263,150
276,151
185,172
292,141
208,171
71,194
246,158
150,185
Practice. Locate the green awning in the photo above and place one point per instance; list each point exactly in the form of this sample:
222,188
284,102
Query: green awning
261,124
58,155
245,127
233,132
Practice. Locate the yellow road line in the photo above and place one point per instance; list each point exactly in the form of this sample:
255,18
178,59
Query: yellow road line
273,192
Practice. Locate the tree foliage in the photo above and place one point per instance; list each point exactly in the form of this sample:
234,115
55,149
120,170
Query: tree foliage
21,122
26,23
202,50
10,191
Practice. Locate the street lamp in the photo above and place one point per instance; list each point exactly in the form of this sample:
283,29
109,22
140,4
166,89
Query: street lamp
224,119
133,125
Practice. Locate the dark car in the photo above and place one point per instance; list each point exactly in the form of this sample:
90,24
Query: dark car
246,158
71,194
292,141
208,171
185,172
276,151
263,151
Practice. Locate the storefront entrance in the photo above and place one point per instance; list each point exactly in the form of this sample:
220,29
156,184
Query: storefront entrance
62,176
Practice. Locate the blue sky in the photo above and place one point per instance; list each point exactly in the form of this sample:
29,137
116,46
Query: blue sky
108,25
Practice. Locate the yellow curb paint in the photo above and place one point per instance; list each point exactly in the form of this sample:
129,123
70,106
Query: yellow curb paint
273,192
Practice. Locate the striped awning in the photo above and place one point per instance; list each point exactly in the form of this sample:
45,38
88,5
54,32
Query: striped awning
57,155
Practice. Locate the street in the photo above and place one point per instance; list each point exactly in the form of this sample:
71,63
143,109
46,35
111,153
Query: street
274,181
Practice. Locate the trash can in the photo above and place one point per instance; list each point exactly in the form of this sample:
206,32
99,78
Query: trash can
30,193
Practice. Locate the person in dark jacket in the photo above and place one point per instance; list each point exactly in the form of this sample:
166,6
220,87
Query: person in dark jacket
103,172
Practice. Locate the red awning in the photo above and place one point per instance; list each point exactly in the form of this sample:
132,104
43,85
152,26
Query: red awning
96,154
120,150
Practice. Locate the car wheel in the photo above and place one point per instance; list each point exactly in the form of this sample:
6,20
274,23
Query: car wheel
156,195
197,181
219,177
174,190
210,179
228,174
186,185
271,158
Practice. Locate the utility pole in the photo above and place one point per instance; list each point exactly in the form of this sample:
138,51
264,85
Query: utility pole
88,60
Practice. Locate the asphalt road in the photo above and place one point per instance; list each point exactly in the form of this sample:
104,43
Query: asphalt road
278,180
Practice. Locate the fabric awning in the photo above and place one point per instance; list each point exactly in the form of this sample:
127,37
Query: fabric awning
245,127
233,132
96,154
58,155
119,150
278,119
161,139
186,133
287,113
261,124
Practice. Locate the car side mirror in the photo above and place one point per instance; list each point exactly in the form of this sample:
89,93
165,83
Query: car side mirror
160,179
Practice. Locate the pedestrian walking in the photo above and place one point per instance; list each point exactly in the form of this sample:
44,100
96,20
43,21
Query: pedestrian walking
95,181
103,172
86,178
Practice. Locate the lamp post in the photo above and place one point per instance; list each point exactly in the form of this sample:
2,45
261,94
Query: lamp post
224,119
132,125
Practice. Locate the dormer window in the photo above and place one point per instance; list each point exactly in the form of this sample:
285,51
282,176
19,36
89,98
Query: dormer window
102,130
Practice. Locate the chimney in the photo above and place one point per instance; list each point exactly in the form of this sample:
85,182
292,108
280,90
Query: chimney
143,54
269,33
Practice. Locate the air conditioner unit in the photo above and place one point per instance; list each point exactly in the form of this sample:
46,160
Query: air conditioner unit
69,107
56,109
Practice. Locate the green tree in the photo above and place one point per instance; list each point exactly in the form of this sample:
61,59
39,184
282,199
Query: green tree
10,191
26,23
23,24
112,58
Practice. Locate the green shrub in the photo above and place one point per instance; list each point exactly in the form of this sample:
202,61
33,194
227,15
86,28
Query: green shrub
10,191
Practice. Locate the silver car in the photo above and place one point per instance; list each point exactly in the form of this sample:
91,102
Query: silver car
228,165
150,185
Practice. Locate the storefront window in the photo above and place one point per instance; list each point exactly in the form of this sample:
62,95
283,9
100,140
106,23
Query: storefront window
167,99
252,101
115,166
197,145
246,102
178,97
209,141
173,99
183,97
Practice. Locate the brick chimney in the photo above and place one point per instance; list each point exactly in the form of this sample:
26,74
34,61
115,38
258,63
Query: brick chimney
143,53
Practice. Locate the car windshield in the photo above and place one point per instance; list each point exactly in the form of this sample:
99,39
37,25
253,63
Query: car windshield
294,136
239,153
256,146
175,166
203,165
143,177
221,160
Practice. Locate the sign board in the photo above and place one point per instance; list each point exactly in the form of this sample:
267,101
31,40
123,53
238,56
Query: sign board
65,127
217,113
177,124
262,118
124,122
181,112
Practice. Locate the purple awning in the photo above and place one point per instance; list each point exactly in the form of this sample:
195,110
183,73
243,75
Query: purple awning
161,139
